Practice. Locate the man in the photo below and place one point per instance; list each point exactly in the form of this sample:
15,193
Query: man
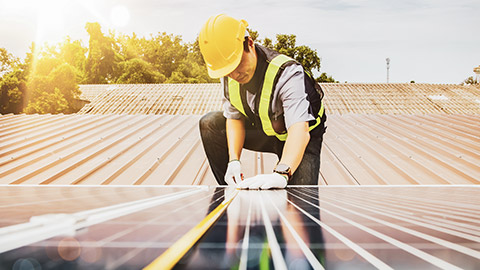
270,105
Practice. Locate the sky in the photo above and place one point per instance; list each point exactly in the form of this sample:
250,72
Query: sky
427,41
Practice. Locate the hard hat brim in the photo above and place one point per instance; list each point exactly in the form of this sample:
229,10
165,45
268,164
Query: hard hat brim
224,71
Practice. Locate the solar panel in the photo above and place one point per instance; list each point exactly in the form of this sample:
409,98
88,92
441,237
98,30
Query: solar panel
316,227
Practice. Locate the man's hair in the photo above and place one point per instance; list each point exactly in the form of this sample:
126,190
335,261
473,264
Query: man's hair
245,44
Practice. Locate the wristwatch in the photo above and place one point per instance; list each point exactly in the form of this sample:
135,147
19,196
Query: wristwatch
283,169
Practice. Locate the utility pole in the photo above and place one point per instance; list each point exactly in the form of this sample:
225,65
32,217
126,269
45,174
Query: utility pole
388,68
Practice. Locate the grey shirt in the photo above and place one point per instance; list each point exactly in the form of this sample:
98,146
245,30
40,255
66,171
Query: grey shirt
289,98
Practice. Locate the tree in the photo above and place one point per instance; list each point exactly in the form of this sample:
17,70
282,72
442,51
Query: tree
268,43
7,61
73,53
195,53
46,102
253,34
102,60
325,78
51,83
193,66
286,44
165,52
12,83
190,71
12,89
139,71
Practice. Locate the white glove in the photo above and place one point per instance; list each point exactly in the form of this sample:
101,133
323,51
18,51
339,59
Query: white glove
264,181
234,173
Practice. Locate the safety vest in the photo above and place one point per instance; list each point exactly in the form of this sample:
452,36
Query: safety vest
265,97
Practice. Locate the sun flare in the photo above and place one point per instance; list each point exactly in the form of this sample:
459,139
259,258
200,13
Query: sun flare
120,16
50,20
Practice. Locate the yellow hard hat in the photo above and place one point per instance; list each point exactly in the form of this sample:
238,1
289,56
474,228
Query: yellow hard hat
221,43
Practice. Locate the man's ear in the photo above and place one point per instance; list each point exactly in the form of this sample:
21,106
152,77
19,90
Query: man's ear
251,44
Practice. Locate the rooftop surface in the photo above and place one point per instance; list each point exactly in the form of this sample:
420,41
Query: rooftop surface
125,184
341,98
166,149
318,227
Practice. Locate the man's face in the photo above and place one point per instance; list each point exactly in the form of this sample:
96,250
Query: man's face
245,70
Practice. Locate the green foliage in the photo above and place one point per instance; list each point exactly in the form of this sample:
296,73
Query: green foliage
195,54
268,43
54,72
192,68
286,44
46,102
60,83
102,60
165,52
139,71
12,83
12,92
74,54
253,34
45,65
7,61
325,78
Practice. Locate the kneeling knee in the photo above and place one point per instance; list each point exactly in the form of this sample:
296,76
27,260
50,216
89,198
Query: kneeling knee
211,121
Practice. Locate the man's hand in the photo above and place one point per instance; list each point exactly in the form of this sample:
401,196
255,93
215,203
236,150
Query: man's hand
234,173
264,181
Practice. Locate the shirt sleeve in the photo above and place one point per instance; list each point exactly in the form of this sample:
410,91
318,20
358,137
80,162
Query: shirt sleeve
229,111
291,92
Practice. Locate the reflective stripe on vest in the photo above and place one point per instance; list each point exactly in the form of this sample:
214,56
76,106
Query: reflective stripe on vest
264,104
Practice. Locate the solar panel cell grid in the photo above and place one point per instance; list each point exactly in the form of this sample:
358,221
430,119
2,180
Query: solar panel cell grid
408,227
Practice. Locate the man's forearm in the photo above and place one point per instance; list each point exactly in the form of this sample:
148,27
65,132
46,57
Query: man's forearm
235,137
295,145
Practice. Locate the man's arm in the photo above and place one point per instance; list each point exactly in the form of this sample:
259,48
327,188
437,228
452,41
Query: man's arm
235,137
295,145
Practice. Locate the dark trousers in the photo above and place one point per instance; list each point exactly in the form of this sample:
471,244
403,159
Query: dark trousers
214,139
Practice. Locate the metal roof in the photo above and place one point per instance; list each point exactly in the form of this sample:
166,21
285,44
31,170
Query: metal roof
342,98
151,98
166,149
401,98
119,204
354,227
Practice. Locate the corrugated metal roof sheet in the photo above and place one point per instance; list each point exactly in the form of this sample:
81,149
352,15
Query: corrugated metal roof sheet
382,227
151,98
166,149
401,98
371,98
